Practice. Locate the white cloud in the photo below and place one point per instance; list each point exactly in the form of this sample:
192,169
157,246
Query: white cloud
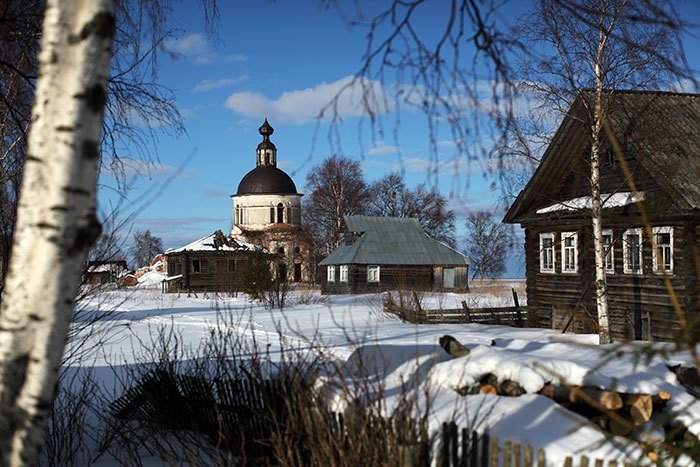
197,48
380,149
209,84
303,105
128,167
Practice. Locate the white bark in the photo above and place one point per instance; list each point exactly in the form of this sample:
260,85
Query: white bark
601,283
56,221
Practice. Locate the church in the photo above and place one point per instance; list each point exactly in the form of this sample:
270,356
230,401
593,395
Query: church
267,212
266,216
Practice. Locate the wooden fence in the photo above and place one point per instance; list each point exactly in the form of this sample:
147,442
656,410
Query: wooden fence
413,312
232,414
468,448
235,415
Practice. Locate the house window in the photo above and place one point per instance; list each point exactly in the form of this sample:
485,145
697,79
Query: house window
330,274
547,252
372,273
297,272
344,273
663,253
196,266
232,265
632,251
569,252
609,251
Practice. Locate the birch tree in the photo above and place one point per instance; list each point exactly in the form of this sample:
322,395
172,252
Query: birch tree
56,219
591,48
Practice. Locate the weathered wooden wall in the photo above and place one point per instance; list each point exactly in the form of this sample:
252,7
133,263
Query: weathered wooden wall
394,277
209,280
640,305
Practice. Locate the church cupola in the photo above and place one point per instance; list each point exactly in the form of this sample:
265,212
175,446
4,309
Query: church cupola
267,152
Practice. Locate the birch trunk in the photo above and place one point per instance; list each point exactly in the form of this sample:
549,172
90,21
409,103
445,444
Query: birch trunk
56,221
601,283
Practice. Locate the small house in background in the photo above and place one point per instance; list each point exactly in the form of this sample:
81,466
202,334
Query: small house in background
104,272
390,253
659,137
211,264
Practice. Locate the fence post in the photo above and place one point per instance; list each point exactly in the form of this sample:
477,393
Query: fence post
493,452
540,458
466,311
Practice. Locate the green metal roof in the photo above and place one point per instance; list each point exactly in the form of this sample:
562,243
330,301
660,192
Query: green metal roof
392,240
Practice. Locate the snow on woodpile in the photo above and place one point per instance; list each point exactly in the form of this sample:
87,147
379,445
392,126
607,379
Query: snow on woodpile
609,200
440,384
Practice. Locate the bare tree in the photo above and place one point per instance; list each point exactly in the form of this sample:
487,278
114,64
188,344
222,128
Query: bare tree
590,49
389,196
136,104
145,247
458,76
56,219
336,188
488,244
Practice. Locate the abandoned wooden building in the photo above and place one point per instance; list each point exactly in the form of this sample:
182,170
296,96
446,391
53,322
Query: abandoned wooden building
390,253
267,212
104,272
659,138
211,264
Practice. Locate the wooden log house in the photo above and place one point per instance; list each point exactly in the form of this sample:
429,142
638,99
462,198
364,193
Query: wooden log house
392,253
659,137
211,264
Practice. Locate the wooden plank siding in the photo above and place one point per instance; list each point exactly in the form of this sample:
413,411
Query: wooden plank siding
214,275
633,298
394,277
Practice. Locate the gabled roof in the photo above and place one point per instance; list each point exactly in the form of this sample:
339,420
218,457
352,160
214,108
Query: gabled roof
392,240
215,242
662,131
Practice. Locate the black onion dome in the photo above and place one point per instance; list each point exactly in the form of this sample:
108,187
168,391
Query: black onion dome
266,179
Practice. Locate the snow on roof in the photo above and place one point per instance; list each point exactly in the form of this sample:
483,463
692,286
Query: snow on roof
208,243
609,200
107,267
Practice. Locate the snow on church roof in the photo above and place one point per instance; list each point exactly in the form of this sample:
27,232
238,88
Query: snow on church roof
216,242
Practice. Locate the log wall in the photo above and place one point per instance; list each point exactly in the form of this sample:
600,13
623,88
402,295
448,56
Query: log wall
214,275
639,304
394,277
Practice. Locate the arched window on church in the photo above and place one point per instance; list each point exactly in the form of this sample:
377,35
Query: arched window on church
267,158
272,215
280,213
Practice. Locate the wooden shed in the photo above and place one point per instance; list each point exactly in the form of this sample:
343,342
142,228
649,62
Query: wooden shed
104,272
659,136
211,264
390,253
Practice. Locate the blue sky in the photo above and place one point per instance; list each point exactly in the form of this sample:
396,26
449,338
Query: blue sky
283,61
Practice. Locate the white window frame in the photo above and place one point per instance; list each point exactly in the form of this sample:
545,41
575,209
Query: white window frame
373,273
658,249
343,273
330,273
565,269
609,251
625,251
549,236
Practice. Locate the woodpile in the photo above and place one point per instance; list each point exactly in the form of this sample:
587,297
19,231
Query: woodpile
633,415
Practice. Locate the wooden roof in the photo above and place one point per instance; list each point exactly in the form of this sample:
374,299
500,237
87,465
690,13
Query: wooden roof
658,130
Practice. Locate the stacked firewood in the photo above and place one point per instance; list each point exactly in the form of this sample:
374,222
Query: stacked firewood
624,414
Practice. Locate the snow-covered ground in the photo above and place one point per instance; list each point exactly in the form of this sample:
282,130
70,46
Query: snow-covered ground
354,331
